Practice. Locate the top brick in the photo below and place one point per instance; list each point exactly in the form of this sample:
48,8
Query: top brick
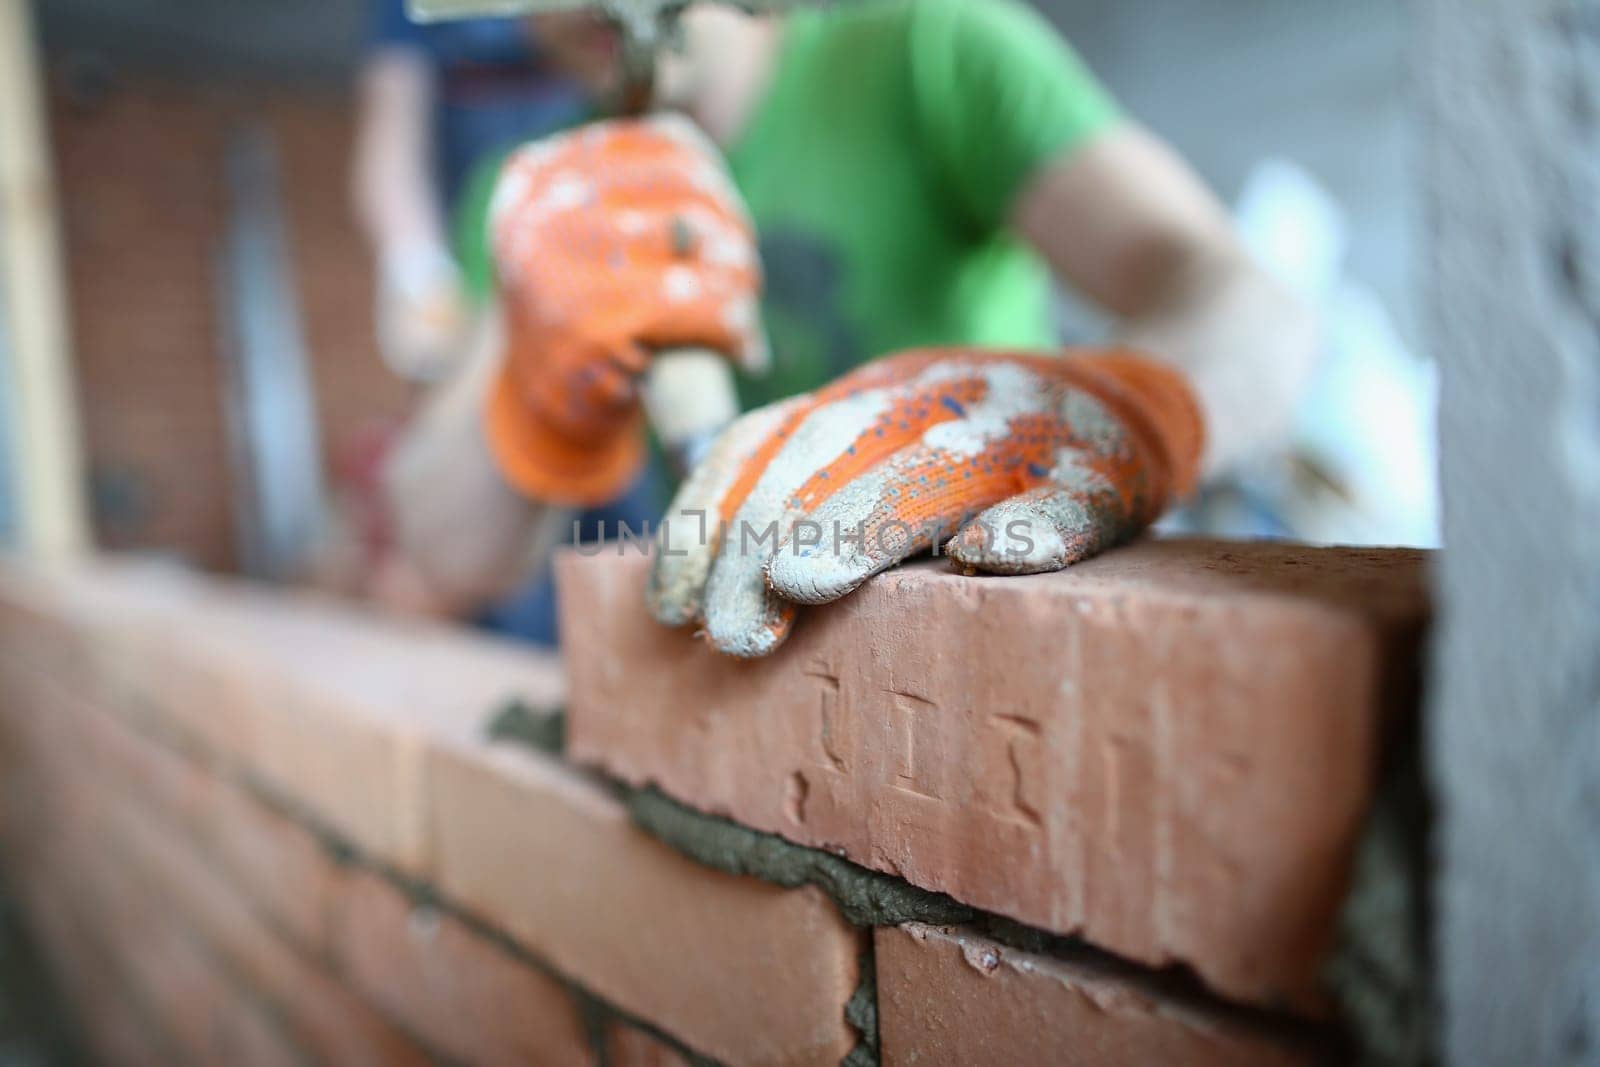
1168,750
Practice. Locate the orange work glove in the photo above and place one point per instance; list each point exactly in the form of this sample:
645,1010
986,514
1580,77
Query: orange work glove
611,242
1032,462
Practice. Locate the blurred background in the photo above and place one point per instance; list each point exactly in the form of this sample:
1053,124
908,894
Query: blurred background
219,293
202,153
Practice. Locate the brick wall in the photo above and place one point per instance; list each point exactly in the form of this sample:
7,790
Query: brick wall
140,167
274,828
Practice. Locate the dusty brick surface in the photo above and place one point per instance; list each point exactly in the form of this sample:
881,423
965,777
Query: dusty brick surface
735,968
467,997
948,997
330,707
1168,749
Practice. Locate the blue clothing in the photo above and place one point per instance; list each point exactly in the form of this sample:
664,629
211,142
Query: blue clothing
494,90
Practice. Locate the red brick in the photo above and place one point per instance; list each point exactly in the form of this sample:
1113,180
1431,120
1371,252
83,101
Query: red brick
97,777
131,651
275,863
1168,749
328,705
369,726
230,672
343,706
469,999
735,968
207,1019
67,724
35,631
107,1019
948,997
178,984
322,1014
140,242
278,864
254,1038
323,1017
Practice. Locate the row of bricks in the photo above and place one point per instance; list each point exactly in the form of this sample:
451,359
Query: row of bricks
211,978
1168,751
151,894
353,722
194,880
144,989
739,970
945,997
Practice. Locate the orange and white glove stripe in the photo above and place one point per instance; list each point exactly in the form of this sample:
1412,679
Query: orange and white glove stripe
1082,451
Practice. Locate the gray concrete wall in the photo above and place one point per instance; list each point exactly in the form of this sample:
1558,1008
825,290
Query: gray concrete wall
1513,183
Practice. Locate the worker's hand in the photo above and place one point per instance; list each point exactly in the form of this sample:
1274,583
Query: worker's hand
423,324
612,242
1032,462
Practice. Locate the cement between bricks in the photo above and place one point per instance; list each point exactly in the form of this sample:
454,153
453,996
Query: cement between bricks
1379,970
865,897
868,898
543,729
861,1012
597,1012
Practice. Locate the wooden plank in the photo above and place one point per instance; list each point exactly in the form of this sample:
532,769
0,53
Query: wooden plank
41,416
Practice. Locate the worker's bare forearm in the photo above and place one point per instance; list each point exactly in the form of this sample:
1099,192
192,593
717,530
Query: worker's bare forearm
1246,344
471,537
1127,223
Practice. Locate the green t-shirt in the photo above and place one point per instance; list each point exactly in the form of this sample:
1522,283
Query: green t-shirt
880,168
